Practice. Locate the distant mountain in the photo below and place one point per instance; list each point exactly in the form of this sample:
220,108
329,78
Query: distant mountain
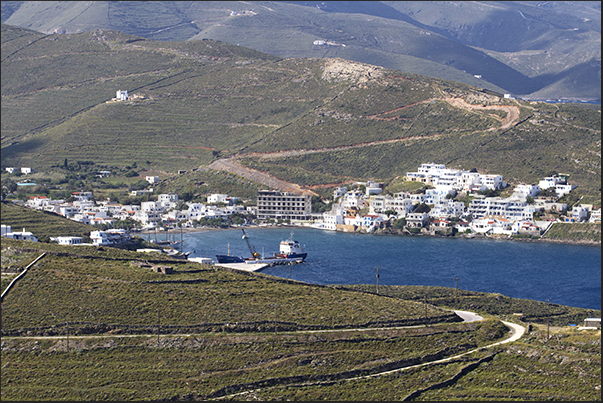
544,50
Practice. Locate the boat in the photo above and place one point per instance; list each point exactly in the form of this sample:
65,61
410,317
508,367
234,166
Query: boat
290,252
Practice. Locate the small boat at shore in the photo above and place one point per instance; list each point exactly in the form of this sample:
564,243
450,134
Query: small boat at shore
290,252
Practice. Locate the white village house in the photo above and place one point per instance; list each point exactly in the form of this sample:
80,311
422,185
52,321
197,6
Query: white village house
7,232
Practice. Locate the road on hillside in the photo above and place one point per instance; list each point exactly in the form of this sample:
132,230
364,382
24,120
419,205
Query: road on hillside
517,331
232,165
507,122
469,316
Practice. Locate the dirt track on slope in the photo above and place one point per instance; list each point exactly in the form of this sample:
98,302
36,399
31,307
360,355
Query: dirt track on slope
507,122
233,166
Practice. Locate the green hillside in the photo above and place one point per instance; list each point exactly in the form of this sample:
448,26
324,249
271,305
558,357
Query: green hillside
114,329
197,101
41,223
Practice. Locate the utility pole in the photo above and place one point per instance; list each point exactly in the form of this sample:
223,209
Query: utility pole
377,272
548,319
158,324
424,307
456,290
275,317
67,334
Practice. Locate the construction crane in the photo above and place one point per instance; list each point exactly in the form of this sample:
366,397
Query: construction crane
251,248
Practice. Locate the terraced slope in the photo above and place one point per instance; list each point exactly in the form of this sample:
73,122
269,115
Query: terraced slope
194,103
89,323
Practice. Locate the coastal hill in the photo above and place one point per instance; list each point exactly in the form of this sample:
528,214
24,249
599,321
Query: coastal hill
536,50
193,103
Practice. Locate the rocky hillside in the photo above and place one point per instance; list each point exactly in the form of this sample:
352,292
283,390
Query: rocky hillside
549,50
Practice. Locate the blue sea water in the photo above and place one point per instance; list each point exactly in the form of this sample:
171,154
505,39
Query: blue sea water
563,274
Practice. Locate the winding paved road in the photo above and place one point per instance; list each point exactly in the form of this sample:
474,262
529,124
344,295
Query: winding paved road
517,331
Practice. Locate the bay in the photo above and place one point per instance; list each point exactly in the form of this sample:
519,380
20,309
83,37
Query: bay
561,273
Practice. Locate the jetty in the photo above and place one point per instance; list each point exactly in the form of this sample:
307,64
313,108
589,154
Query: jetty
243,266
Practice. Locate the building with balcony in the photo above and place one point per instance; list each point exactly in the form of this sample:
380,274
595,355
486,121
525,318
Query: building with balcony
276,205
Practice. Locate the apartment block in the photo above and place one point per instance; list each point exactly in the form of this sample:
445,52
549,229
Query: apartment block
276,205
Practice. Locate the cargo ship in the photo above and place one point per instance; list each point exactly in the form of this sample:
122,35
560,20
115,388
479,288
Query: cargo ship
290,251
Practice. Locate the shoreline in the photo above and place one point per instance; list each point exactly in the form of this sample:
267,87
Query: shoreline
255,226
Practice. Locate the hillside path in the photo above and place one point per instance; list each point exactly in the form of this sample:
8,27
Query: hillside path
510,120
232,165
517,331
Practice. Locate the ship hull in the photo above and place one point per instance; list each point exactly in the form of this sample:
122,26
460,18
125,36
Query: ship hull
229,259
272,260
290,252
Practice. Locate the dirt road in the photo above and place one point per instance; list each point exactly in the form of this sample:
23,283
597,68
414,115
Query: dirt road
510,120
233,166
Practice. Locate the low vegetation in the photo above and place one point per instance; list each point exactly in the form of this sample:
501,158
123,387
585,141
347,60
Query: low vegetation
204,100
567,367
206,332
572,232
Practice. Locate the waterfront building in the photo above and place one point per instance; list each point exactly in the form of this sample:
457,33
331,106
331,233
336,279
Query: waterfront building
445,208
398,203
273,204
512,209
331,219
416,220
109,237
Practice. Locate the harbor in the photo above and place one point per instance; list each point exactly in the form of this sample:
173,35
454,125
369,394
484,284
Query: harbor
529,270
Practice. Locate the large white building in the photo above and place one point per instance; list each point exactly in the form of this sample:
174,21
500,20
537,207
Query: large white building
333,218
523,191
109,237
7,232
273,204
557,182
167,201
512,209
398,203
353,199
447,208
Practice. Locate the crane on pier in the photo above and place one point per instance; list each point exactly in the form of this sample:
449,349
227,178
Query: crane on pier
251,248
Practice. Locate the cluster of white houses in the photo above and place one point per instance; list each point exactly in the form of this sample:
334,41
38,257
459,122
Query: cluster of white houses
109,237
494,215
353,210
84,209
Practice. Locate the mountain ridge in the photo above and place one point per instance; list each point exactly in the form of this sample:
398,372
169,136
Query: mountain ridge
450,40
